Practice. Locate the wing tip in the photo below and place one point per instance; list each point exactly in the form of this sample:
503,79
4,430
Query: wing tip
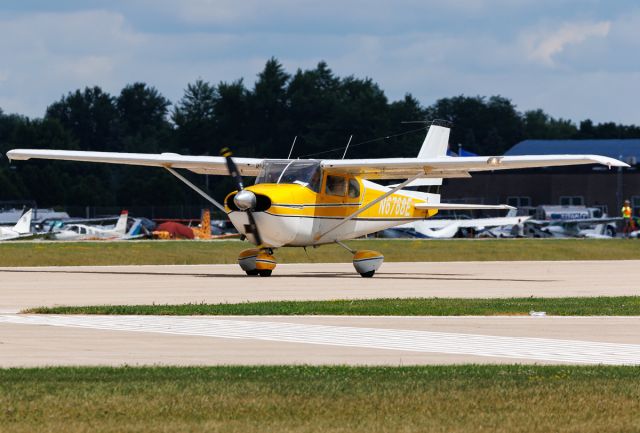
14,155
608,161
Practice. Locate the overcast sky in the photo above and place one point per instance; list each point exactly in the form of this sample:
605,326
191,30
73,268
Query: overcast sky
574,59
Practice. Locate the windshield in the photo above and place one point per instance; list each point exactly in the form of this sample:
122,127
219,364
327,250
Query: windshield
305,173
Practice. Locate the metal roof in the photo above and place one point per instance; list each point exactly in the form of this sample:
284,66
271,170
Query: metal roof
618,148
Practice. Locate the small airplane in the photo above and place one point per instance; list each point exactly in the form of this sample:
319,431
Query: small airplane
310,202
572,221
447,228
22,228
74,232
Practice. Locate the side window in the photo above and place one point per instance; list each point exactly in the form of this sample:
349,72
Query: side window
519,201
354,188
335,185
314,182
571,200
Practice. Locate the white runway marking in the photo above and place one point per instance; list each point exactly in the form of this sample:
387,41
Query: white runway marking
543,349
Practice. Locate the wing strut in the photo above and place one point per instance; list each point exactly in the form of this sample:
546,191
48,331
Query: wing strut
374,202
196,189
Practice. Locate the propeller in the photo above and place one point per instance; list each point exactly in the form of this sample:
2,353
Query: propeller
244,200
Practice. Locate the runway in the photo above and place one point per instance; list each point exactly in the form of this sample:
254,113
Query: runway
38,340
31,287
29,340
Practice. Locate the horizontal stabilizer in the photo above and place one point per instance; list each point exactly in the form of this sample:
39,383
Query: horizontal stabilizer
456,206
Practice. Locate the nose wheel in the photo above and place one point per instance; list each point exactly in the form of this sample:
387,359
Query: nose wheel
256,261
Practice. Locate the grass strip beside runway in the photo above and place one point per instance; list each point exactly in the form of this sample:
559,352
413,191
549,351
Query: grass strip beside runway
582,306
398,250
329,399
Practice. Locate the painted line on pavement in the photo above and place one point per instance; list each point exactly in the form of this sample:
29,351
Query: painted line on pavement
529,348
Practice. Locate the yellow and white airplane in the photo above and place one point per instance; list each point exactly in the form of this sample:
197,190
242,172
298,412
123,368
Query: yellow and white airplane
309,202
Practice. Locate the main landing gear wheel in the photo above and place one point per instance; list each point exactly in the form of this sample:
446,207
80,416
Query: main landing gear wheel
367,262
257,262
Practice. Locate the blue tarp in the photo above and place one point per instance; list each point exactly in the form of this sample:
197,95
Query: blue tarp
612,148
462,153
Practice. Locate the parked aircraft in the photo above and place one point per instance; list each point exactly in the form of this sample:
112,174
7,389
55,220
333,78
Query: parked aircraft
310,202
20,230
571,221
86,232
443,228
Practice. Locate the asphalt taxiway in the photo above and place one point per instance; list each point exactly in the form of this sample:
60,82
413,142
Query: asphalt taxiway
30,287
36,340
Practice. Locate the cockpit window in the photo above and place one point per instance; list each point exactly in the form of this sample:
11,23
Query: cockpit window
336,185
354,188
305,173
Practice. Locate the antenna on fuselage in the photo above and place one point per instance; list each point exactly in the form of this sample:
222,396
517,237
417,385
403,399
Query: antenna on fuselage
435,122
347,148
292,145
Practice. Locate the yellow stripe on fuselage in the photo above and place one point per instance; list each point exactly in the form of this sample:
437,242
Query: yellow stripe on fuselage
296,200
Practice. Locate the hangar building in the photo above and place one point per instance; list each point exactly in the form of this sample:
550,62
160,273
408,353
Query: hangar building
594,186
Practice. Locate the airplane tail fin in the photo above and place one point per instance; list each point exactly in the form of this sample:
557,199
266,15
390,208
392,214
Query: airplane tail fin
205,225
434,145
121,225
23,226
436,142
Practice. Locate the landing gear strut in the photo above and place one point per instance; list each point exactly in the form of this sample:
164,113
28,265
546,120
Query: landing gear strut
256,261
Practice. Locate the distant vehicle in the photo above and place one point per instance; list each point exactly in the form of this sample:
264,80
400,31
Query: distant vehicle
76,232
222,227
20,230
571,221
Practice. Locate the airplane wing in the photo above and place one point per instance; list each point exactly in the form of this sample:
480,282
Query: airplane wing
478,223
574,221
215,165
456,206
384,168
449,167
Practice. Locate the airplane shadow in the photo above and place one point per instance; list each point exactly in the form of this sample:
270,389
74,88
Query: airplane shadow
426,276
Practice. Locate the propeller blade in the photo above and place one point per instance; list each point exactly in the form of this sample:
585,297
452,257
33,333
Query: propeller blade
232,167
252,227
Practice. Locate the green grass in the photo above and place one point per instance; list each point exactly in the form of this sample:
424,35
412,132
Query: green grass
328,399
594,306
190,252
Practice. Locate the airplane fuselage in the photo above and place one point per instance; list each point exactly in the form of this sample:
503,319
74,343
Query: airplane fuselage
295,215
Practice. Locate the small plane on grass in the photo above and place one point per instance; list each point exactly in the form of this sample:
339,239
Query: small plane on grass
572,221
22,229
447,228
309,202
77,231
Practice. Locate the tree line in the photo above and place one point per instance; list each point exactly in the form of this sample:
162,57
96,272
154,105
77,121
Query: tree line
318,107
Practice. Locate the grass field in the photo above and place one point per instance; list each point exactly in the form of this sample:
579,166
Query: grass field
595,306
190,252
328,399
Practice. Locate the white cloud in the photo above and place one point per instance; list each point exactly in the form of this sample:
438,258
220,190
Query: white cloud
47,55
544,45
